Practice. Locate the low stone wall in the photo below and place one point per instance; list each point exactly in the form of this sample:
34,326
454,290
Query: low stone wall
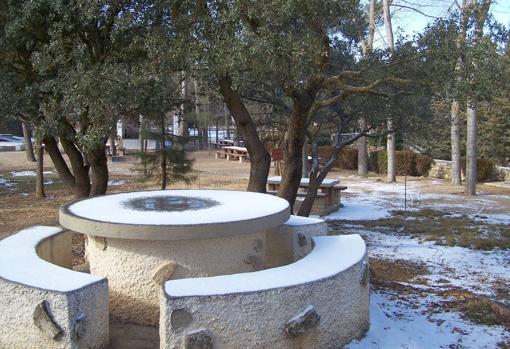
292,240
46,306
442,169
320,301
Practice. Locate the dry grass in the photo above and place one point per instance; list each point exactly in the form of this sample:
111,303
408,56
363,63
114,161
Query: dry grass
445,229
393,273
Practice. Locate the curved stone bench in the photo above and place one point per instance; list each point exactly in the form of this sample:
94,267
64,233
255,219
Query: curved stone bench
292,240
320,301
44,305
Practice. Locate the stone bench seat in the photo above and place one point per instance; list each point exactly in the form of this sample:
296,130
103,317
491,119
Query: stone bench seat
45,305
320,301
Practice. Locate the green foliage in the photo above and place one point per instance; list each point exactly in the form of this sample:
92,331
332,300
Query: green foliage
177,166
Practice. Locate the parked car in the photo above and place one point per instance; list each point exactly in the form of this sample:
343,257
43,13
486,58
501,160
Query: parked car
9,142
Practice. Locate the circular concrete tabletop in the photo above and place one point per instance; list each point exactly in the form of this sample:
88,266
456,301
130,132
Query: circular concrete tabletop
175,214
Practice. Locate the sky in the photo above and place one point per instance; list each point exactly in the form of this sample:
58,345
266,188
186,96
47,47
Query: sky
410,21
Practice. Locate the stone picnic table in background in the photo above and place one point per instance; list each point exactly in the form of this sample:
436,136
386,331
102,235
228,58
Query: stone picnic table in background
328,196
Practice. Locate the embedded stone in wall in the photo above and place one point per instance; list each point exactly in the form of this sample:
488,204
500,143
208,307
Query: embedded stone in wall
301,238
258,245
44,322
254,261
164,272
79,327
302,322
364,274
198,339
180,318
100,242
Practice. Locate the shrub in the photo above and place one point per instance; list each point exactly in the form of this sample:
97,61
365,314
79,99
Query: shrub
405,162
484,169
423,164
348,158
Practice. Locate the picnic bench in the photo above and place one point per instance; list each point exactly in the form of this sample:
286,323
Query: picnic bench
233,153
328,193
223,143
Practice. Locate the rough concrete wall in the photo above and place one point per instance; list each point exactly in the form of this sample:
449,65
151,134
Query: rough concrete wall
64,319
292,240
258,319
18,329
88,312
58,250
130,266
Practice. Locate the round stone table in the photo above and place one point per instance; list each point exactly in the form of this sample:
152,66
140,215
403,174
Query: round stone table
139,240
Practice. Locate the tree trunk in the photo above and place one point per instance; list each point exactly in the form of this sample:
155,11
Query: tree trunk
113,139
141,129
164,175
471,149
39,179
27,137
388,25
78,180
313,184
99,166
259,157
293,150
182,129
362,152
455,143
227,121
390,145
305,170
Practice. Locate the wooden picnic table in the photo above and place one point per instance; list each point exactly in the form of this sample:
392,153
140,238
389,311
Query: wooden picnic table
223,143
329,189
235,153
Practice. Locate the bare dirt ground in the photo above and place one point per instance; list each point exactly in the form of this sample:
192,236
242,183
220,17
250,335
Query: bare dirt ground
444,255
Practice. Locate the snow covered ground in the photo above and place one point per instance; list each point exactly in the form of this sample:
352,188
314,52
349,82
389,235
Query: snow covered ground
405,320
397,323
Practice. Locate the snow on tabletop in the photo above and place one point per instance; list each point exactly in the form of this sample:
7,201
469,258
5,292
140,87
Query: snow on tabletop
298,220
330,256
233,206
20,263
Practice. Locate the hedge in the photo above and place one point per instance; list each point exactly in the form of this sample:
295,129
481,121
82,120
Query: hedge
408,163
484,169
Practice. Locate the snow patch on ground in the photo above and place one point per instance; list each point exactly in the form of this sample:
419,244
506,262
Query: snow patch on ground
6,183
404,324
472,270
27,173
114,182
